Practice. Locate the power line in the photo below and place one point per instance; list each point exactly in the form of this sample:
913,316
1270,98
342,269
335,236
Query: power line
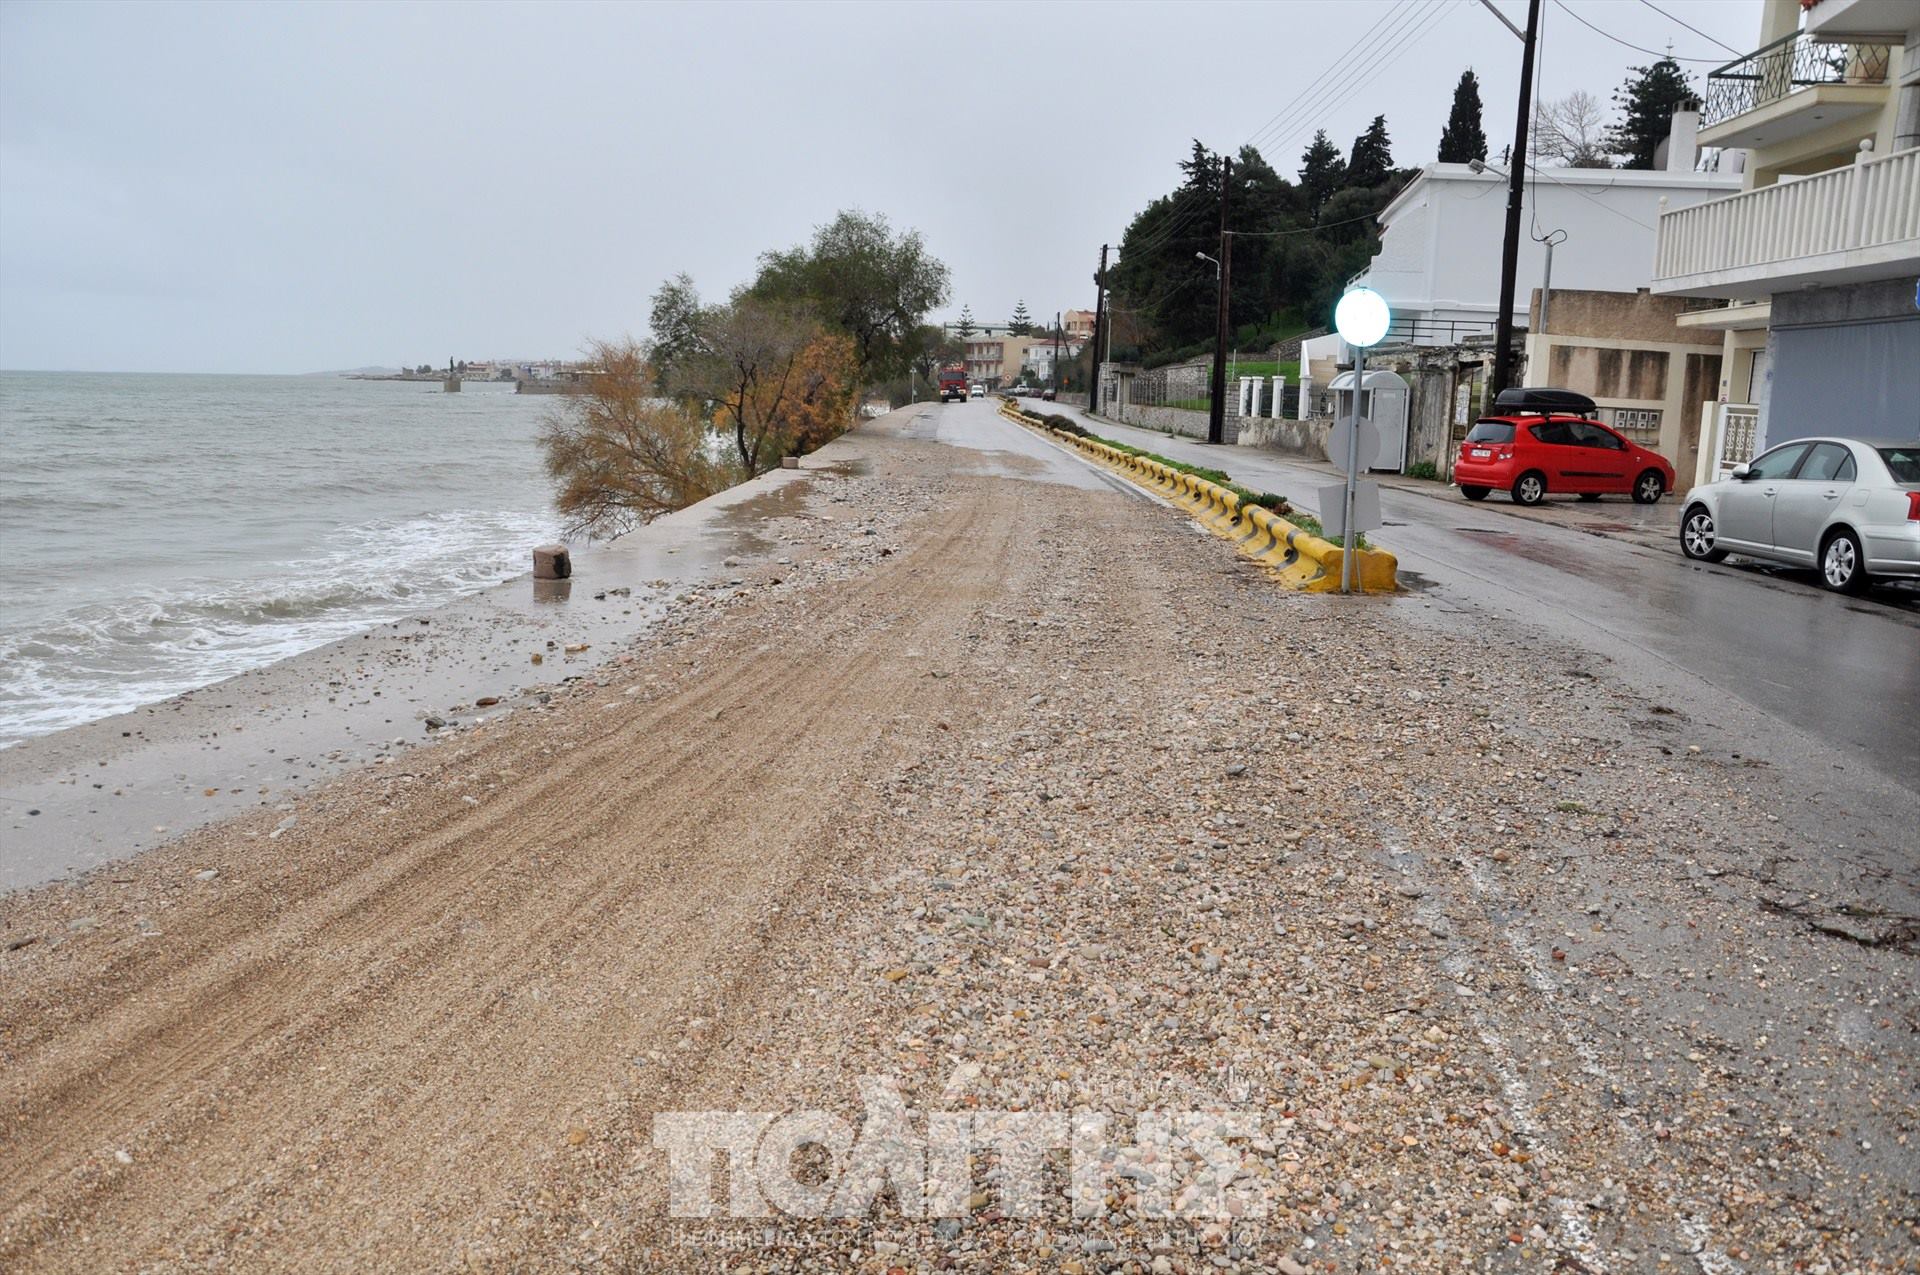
1629,44
1396,47
1389,45
1332,65
1386,29
1547,173
1301,230
1402,34
1689,26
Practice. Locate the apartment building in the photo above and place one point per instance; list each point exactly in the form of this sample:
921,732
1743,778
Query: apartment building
1818,257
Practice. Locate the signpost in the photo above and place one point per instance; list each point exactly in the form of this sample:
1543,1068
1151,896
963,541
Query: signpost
1361,319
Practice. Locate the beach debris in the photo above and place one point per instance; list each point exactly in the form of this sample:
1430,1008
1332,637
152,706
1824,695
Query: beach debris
435,721
574,648
539,658
486,701
552,562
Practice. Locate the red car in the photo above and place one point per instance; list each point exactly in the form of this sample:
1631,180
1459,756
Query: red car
1537,445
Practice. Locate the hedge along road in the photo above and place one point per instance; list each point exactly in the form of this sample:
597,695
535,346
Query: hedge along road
1845,670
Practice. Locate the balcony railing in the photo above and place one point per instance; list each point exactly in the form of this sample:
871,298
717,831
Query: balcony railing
1789,63
1857,206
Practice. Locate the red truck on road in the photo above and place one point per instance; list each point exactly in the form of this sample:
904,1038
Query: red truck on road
953,383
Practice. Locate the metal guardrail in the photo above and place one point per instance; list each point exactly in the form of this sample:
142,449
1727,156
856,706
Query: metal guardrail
1794,61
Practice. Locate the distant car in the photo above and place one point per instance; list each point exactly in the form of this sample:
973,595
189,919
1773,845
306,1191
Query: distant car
1047,395
1849,507
1541,441
979,390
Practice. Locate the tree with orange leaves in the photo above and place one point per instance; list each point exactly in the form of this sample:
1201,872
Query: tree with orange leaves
620,455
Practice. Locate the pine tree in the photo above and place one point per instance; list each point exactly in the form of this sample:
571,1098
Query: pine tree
1463,140
1372,156
964,328
1022,321
1649,97
1322,171
1202,168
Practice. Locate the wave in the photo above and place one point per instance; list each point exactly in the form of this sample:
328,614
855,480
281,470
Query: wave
98,659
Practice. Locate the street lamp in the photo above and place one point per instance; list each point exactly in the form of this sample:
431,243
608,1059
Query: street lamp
1361,319
1201,256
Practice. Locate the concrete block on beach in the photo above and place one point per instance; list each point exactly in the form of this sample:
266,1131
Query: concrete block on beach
552,562
789,462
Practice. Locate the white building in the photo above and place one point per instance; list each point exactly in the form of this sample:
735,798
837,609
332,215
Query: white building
1819,255
1439,259
1039,362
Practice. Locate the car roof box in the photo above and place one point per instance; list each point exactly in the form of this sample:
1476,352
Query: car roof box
1525,400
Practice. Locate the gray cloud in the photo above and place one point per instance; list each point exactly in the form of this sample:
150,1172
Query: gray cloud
292,187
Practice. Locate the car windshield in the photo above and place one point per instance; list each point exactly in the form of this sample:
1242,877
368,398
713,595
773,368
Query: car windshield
1903,461
1491,432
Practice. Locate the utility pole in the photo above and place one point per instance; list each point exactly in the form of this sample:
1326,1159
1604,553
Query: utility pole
1054,367
1516,188
1099,317
1217,409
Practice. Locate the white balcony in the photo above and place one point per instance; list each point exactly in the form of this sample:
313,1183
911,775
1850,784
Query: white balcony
1883,20
1849,225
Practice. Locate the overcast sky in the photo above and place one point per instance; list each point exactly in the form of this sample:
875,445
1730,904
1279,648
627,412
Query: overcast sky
292,187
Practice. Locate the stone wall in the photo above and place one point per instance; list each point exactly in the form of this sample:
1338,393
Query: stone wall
1306,438
1177,382
1179,420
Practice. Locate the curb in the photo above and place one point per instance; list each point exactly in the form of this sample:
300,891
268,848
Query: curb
1300,559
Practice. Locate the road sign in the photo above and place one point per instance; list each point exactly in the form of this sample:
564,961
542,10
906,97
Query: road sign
1366,509
1340,443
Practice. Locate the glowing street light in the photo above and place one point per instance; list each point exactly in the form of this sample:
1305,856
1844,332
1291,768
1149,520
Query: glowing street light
1361,318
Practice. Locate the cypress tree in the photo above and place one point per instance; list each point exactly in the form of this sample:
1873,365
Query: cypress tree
1371,161
1322,171
1463,139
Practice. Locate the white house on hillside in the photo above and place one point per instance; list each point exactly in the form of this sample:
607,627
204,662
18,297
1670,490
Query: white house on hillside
1439,259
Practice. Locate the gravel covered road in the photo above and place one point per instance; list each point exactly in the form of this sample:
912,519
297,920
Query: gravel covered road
988,792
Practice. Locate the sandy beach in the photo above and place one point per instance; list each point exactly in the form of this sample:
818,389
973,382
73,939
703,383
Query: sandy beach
979,775
119,785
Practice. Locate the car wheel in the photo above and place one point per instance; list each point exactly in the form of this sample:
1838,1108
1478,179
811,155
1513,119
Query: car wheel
1698,536
1530,488
1589,495
1474,493
1843,568
1648,487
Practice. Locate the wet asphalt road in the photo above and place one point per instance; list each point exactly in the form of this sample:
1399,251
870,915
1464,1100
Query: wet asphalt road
1845,671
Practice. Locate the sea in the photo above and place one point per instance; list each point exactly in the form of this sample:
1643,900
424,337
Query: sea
159,533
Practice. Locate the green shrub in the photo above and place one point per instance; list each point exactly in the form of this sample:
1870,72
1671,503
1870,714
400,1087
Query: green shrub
1179,466
1266,499
1066,425
1423,469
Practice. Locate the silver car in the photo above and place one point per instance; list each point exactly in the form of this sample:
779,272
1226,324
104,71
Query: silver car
1846,506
